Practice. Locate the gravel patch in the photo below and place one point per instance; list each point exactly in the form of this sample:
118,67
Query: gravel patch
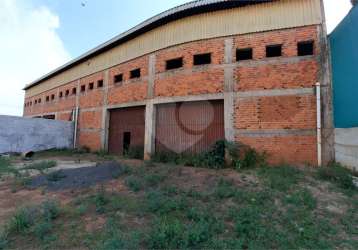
77,178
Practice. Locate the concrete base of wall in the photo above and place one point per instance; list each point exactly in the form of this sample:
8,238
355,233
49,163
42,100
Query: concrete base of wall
346,147
18,135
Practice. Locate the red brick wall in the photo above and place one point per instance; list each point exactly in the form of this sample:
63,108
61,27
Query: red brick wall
263,114
283,112
190,80
284,149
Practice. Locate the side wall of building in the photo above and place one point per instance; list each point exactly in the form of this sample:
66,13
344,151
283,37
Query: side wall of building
344,53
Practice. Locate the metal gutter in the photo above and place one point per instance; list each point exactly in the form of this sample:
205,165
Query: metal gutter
182,11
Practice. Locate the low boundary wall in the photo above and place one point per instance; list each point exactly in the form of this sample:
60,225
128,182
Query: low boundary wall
346,147
19,134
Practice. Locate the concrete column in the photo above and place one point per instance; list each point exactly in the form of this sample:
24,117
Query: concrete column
229,95
105,113
149,138
328,153
150,112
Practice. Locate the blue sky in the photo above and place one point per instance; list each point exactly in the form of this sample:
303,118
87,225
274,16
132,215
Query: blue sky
84,27
41,35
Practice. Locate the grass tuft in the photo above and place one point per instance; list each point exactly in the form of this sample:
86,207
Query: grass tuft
338,175
281,178
134,183
41,166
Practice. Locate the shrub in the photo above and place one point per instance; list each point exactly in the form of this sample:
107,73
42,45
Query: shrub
215,158
338,175
23,219
134,183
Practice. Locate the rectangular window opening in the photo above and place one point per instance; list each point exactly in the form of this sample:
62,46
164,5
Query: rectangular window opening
243,54
305,48
47,98
91,85
61,94
74,91
202,59
52,97
35,101
118,78
67,92
99,83
274,50
135,74
39,101
174,63
83,88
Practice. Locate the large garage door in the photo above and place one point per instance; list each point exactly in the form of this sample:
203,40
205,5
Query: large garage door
189,127
126,129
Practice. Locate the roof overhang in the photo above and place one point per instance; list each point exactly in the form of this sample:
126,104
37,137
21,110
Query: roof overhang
182,11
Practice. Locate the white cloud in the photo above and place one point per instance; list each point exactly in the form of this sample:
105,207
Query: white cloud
29,48
336,10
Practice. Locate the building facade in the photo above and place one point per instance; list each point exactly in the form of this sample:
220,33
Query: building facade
241,70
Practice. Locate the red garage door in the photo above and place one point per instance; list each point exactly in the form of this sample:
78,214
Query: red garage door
189,127
126,129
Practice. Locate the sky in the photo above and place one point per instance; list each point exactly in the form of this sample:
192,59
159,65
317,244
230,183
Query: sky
38,36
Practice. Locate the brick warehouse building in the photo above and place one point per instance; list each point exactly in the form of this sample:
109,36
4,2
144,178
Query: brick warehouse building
207,70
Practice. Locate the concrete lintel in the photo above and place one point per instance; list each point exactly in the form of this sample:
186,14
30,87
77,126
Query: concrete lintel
127,105
190,98
275,92
275,132
90,130
275,61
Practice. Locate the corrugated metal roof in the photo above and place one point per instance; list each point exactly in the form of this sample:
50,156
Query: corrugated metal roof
185,10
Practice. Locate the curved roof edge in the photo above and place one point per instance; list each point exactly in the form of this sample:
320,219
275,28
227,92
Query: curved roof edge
182,11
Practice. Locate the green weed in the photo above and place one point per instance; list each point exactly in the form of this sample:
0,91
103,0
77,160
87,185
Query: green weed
338,175
101,199
158,202
134,183
153,180
225,189
135,153
6,167
112,236
41,166
281,178
302,198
